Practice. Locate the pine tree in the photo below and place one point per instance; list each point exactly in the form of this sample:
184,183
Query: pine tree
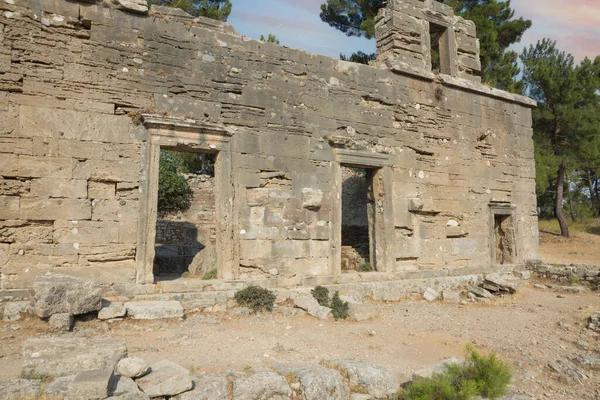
214,9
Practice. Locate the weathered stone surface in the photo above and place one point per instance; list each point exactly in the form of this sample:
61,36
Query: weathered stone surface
140,6
206,387
123,388
57,357
308,303
595,321
61,322
480,292
133,367
90,385
428,372
451,296
431,295
14,309
312,198
264,384
165,379
112,311
55,294
154,309
363,312
19,389
366,376
314,381
59,387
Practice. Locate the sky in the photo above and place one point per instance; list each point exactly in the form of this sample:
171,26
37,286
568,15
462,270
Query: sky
574,24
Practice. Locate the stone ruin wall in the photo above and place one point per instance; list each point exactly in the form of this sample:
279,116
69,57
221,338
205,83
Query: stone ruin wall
75,77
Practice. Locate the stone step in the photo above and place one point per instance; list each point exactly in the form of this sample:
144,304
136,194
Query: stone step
154,309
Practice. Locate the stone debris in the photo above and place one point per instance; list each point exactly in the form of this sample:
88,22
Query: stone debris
55,357
206,387
498,285
61,322
366,376
58,294
595,321
123,388
431,295
480,292
139,6
90,385
566,371
264,384
133,367
112,311
14,309
451,296
154,309
314,382
571,289
308,303
19,389
165,379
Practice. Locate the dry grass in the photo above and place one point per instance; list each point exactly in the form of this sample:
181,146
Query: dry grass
591,226
582,247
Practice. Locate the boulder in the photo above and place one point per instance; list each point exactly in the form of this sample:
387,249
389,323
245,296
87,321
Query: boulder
165,379
366,377
438,368
57,357
154,309
56,294
264,384
19,389
112,311
133,367
308,303
123,388
206,387
431,294
90,385
14,309
61,322
314,382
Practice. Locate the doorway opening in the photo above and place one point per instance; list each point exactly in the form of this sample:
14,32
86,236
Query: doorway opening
439,46
504,239
186,231
358,220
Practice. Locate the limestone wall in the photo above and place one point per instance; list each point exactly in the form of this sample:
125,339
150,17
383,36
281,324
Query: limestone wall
76,186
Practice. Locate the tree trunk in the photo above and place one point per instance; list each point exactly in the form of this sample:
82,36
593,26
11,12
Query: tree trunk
558,205
572,213
593,195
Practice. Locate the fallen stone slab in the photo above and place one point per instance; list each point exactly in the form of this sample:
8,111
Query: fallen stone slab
308,303
14,309
124,388
19,389
112,311
90,385
165,379
451,296
438,368
314,382
500,284
431,294
206,387
56,294
61,322
366,377
55,357
263,384
133,367
58,388
480,292
154,309
572,289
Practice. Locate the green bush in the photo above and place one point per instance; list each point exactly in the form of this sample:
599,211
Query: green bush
256,298
211,274
486,376
321,294
339,308
366,267
174,193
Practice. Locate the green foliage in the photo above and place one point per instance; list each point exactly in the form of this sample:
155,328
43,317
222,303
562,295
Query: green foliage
321,294
366,267
339,308
486,376
359,57
214,9
256,298
174,193
497,29
211,274
269,39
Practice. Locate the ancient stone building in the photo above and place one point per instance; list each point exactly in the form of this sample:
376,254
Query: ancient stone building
90,92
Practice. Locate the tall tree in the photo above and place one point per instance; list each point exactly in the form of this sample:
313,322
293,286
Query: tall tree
269,39
568,114
496,28
214,9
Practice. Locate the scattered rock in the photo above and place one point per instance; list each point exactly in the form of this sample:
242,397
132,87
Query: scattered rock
90,385
431,295
206,387
595,321
365,376
124,388
57,294
480,292
308,303
450,296
57,357
494,283
572,289
132,367
165,379
438,368
540,286
588,360
314,382
114,310
154,309
524,274
61,322
19,389
14,309
362,312
264,384
566,371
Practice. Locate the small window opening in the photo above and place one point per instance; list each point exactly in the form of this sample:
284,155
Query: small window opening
504,239
185,243
358,220
440,61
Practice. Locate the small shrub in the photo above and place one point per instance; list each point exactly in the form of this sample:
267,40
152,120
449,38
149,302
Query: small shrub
366,267
211,274
256,298
321,294
339,308
186,274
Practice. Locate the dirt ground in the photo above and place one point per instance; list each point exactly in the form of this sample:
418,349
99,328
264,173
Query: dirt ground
529,330
580,248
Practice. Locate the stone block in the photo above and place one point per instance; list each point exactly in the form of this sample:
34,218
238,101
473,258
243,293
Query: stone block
124,388
451,296
64,356
308,303
45,167
107,170
9,165
14,309
312,198
61,322
431,295
51,187
165,379
55,209
154,309
264,384
101,190
58,294
206,387
314,382
90,385
19,389
58,388
366,377
9,207
115,210
114,310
